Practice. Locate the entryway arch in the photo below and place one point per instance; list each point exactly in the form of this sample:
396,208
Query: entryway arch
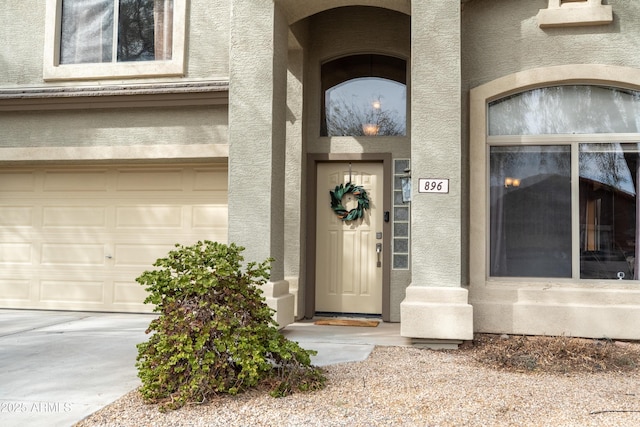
339,45
296,10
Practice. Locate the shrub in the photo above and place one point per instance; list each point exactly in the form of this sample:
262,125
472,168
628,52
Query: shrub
215,334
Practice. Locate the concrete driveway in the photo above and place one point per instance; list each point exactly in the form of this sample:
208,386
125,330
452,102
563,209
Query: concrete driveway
58,367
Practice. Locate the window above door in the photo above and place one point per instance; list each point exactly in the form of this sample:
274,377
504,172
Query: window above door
98,39
364,95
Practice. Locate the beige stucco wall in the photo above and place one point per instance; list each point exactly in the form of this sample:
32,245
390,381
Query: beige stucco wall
114,127
23,29
501,37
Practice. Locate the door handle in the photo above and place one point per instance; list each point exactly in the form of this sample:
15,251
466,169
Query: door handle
378,252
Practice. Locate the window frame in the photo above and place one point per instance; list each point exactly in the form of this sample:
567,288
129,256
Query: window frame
480,143
53,70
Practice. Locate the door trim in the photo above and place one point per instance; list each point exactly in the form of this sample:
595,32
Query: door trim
311,218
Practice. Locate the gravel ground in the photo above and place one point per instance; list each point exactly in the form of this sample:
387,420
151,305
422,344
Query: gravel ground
403,386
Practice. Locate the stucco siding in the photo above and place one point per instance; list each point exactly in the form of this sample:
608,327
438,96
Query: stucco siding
117,127
21,51
501,37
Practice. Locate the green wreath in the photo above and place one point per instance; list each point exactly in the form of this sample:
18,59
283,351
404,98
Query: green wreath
342,212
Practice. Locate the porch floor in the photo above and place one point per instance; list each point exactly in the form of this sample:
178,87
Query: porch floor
340,344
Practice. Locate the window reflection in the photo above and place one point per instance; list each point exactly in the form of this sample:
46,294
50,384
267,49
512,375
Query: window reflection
144,31
366,107
364,95
608,211
530,211
566,110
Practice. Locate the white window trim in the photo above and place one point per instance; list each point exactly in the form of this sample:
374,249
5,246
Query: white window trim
606,75
53,70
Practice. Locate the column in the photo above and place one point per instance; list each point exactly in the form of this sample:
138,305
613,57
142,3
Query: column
436,305
257,132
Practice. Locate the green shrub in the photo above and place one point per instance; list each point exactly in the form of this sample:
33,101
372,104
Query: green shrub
215,334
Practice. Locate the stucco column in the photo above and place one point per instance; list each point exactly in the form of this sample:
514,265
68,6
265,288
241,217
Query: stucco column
257,120
436,305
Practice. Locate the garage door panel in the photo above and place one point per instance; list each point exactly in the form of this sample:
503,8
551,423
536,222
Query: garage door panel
149,217
209,217
89,291
74,216
15,253
15,289
19,181
82,181
145,180
16,216
140,254
128,293
72,254
211,180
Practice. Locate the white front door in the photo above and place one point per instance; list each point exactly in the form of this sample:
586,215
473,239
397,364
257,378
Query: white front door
349,266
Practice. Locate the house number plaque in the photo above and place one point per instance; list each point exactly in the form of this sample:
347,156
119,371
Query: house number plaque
433,185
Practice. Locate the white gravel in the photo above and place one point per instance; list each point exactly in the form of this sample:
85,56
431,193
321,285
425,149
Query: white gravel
403,386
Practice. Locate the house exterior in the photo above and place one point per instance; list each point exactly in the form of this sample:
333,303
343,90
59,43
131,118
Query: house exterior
491,145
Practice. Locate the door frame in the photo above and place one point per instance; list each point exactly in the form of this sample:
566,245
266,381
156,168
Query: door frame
311,219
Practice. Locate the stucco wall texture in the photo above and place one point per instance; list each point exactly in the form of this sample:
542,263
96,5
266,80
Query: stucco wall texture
501,37
114,127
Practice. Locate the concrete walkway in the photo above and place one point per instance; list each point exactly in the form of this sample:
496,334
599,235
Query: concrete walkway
56,368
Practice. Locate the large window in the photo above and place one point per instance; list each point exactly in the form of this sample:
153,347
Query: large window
364,95
563,175
114,38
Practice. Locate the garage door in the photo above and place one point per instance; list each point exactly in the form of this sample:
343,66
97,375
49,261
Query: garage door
75,238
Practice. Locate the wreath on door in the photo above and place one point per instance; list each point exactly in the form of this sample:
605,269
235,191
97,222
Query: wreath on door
360,195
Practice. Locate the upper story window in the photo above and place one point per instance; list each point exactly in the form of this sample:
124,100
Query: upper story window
364,95
89,39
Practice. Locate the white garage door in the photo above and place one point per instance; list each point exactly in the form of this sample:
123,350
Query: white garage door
75,238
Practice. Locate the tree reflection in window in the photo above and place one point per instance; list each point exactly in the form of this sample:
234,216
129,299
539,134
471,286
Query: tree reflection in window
573,109
144,31
364,95
135,30
608,211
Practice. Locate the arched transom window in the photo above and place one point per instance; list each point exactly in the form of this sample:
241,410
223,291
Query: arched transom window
364,95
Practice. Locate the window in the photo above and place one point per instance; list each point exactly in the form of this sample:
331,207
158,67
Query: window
530,211
563,177
114,38
364,95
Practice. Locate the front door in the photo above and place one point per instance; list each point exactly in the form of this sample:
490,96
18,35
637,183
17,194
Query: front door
349,267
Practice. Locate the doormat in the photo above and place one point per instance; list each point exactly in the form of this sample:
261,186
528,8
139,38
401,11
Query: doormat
347,322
